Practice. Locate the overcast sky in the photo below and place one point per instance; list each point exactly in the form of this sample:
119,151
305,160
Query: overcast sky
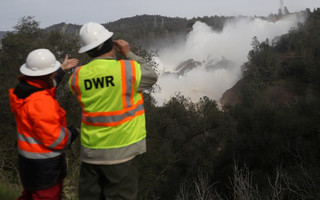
50,12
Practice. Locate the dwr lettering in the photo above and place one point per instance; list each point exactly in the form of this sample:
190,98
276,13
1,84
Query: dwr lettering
99,82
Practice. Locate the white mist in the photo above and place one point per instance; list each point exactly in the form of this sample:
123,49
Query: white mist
212,78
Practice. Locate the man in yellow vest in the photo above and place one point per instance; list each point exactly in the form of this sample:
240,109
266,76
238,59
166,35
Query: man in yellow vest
113,129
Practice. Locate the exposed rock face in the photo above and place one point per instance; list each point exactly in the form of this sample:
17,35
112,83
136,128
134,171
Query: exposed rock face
280,92
183,68
232,95
222,64
186,66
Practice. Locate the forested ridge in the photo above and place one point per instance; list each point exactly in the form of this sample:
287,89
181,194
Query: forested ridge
147,30
263,143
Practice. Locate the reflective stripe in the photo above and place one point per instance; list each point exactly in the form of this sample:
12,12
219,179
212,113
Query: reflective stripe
129,82
74,81
112,155
75,84
32,155
38,155
123,83
62,135
32,140
114,118
133,81
29,140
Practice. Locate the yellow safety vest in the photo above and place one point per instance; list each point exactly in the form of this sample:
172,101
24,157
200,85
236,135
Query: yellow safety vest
112,109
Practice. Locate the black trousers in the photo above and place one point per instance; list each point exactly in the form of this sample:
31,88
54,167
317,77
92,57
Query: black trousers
108,182
39,174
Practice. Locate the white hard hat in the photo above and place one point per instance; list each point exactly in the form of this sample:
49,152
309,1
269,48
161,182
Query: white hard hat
92,35
40,62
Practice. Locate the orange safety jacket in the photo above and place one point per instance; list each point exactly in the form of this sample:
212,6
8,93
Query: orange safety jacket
41,124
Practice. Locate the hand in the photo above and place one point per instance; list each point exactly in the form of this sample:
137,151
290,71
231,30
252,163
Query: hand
122,47
69,63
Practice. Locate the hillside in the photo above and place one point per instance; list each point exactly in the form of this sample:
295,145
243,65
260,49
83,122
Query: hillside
71,29
279,92
293,71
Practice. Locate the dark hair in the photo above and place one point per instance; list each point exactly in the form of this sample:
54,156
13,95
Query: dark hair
103,48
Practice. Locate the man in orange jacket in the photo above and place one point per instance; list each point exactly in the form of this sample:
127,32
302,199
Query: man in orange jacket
42,133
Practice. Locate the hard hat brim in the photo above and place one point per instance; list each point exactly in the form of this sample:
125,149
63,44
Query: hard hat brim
95,44
28,72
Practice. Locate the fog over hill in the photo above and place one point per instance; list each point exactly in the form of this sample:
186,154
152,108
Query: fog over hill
207,62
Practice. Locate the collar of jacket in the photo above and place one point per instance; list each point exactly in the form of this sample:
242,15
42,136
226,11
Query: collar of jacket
28,86
105,58
23,93
39,83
